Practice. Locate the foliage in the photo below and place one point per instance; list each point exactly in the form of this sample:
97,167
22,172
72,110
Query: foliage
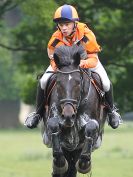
29,38
111,21
7,5
28,89
117,44
8,85
33,33
9,89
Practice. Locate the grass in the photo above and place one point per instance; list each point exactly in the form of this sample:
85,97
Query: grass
22,154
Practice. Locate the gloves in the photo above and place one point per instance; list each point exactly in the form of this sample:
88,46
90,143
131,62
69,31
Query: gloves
89,63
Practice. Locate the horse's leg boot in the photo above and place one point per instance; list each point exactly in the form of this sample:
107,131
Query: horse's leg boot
60,164
83,165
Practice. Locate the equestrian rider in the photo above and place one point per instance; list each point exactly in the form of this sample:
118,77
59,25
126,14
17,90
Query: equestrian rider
70,31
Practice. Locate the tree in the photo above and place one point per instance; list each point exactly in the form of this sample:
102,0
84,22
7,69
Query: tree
110,20
112,23
8,85
29,38
8,69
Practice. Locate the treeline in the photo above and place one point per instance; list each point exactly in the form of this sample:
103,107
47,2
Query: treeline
23,47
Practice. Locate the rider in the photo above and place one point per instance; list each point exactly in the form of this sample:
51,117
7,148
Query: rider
70,31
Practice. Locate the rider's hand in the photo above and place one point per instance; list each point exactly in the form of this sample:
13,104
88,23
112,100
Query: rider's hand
89,62
82,63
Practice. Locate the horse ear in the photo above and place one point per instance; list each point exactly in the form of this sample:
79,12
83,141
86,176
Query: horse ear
57,60
76,58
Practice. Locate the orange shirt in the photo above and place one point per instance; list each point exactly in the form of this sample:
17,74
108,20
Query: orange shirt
86,38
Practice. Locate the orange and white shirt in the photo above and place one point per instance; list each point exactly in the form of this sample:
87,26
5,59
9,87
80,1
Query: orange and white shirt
83,35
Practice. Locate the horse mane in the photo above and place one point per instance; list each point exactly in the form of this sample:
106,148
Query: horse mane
66,56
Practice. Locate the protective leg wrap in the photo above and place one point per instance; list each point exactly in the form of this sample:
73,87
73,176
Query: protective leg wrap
83,165
60,164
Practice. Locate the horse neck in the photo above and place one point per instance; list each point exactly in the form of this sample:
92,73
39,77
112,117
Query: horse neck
85,83
90,97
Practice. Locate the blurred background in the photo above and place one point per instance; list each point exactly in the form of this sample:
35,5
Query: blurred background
25,29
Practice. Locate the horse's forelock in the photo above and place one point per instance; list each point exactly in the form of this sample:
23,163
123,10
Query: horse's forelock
65,56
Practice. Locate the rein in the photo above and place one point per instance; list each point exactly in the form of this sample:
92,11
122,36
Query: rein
100,92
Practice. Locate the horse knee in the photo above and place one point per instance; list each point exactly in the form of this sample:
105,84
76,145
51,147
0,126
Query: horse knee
53,125
92,128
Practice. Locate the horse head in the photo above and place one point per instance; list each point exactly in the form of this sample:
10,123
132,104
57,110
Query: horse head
68,81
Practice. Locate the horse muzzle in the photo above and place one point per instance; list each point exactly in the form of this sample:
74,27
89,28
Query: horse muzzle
67,123
68,115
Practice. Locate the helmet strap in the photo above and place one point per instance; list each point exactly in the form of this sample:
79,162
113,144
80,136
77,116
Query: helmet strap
74,29
58,27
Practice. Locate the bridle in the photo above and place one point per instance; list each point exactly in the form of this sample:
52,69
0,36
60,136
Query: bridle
71,101
68,72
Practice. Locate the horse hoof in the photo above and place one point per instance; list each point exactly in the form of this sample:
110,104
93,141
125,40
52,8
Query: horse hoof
60,168
83,166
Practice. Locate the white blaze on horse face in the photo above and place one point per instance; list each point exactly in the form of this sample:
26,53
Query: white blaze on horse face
70,77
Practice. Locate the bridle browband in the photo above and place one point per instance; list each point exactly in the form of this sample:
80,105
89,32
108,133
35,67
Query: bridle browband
68,72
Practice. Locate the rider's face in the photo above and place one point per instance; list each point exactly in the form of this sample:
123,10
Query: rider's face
66,28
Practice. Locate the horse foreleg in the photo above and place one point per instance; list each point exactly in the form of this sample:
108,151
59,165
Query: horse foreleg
83,165
60,164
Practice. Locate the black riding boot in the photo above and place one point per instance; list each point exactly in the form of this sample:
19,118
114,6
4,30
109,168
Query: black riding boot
34,118
114,117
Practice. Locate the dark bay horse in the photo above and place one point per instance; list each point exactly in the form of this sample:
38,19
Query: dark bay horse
75,117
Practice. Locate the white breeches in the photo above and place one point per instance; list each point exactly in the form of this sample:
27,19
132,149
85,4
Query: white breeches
99,69
45,78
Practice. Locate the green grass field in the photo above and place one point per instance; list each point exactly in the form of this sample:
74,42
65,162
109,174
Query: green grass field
22,154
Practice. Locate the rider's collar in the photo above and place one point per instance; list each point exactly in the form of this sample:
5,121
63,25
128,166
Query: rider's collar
70,39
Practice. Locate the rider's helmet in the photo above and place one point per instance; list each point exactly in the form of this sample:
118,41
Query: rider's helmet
65,13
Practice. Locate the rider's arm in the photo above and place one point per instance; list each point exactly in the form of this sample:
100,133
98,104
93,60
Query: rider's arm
92,48
50,50
50,55
90,62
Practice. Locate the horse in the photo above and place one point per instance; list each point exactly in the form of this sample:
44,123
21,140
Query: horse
75,115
